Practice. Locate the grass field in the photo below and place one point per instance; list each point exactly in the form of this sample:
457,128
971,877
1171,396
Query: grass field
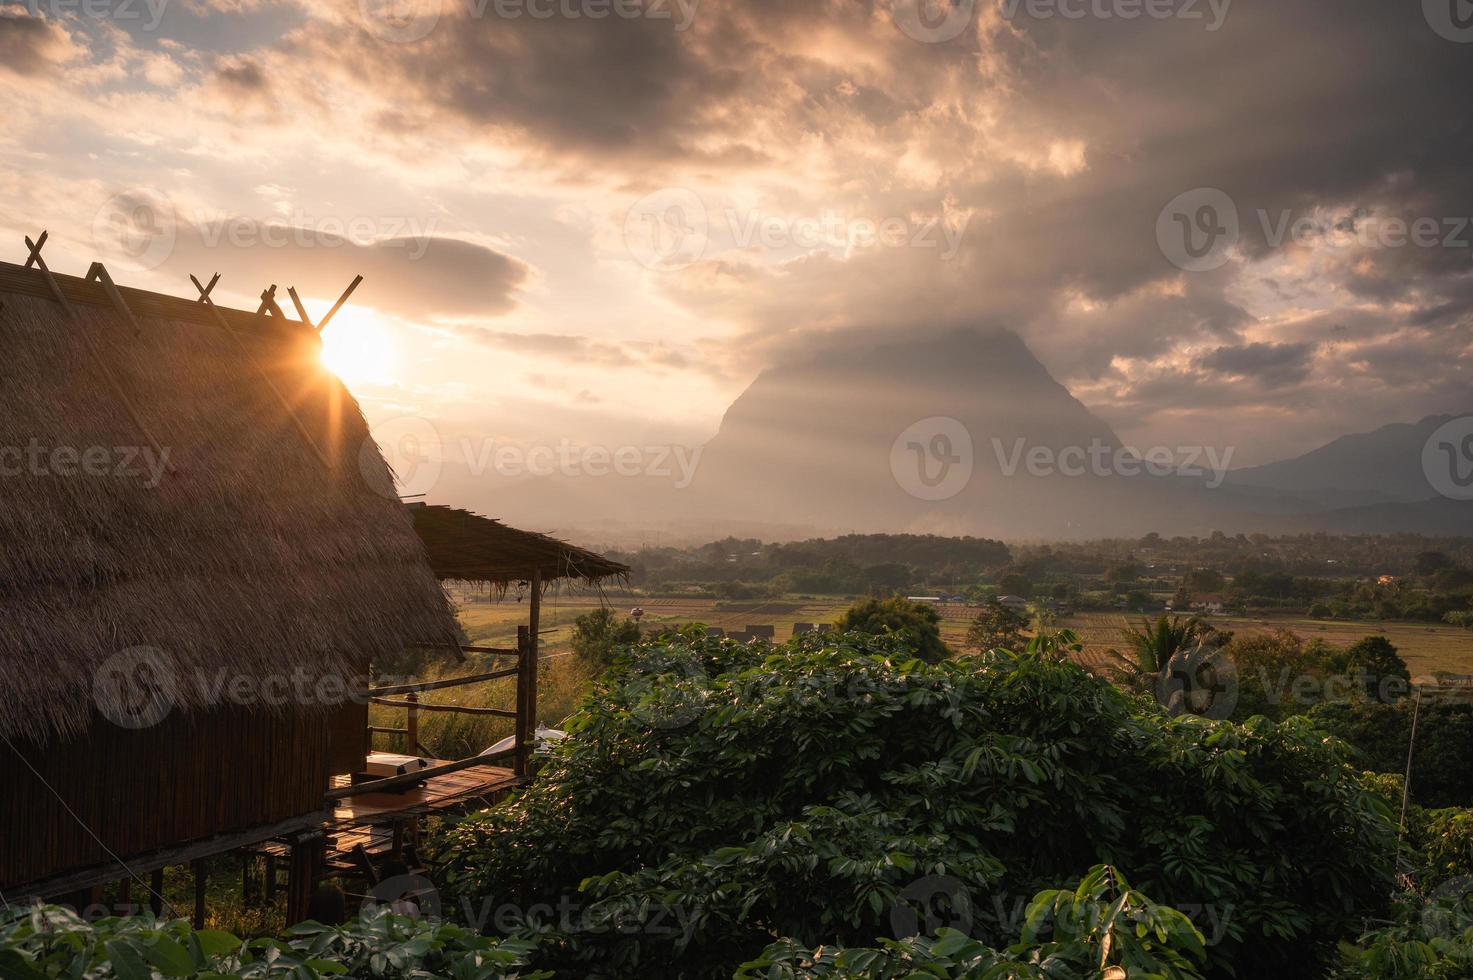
1426,647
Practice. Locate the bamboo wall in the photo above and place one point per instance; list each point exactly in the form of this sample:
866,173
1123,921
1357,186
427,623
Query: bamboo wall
188,777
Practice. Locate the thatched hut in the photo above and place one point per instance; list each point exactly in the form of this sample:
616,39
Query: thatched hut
468,548
200,551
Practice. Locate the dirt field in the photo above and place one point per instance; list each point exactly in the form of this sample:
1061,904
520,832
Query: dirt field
1425,647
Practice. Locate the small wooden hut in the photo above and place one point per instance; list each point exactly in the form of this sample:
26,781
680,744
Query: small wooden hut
464,547
201,550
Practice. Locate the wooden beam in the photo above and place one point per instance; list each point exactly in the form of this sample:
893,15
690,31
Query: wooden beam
291,412
204,291
15,278
461,709
99,273
301,310
157,860
322,324
102,366
442,684
35,255
53,287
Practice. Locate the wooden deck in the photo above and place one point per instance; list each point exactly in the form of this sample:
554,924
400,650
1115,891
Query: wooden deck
437,794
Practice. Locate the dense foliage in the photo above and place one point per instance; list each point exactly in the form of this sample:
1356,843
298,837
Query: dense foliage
996,627
1379,733
916,623
1101,929
713,797
47,941
599,633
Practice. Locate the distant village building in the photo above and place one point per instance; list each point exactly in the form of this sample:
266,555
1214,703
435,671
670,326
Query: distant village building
1208,602
1015,603
765,632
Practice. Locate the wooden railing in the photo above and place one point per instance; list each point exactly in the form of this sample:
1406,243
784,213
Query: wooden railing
406,696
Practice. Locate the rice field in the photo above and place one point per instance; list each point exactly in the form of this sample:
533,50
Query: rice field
1426,647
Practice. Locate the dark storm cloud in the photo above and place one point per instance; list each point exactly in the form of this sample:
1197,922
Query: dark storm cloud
28,45
1063,139
243,74
1269,365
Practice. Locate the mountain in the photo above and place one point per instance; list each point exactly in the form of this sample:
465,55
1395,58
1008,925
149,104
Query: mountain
934,434
1360,470
965,432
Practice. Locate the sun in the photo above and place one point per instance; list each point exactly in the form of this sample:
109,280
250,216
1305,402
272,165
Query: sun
358,346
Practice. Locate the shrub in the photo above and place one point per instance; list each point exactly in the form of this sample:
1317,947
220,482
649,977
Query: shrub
47,941
1380,733
1095,930
918,623
714,798
996,627
599,634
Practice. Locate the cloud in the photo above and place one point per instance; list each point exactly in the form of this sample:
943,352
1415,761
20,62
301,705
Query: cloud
1267,364
30,44
409,270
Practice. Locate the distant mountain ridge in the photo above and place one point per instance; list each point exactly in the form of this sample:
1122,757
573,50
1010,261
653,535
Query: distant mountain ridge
1360,469
864,439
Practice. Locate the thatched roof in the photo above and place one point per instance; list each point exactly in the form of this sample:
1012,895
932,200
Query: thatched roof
253,555
467,547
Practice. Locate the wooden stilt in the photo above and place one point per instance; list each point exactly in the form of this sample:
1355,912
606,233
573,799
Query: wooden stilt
156,892
200,875
306,860
526,730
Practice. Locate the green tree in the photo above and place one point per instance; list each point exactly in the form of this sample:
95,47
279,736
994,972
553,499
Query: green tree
1152,645
918,622
801,792
599,634
1015,583
996,627
1383,674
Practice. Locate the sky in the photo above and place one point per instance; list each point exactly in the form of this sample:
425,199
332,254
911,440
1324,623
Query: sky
1237,222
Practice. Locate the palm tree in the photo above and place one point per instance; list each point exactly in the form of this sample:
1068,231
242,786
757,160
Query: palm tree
1152,645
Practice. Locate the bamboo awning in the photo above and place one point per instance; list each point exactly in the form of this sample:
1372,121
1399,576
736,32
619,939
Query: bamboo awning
467,547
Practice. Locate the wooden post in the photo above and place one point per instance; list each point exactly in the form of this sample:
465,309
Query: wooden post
527,681
412,725
533,626
198,867
156,892
306,859
524,647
